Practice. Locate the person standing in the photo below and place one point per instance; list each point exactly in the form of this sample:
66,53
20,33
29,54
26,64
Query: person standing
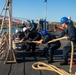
41,23
34,26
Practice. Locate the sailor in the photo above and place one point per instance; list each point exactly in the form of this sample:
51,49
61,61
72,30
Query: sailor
41,23
51,47
70,32
22,33
32,36
34,25
23,24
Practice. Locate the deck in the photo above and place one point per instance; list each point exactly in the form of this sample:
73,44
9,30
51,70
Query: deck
23,66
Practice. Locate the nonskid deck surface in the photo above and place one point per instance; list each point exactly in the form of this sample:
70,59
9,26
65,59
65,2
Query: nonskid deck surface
24,65
25,61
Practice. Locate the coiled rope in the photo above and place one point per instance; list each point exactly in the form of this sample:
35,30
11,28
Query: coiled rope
49,67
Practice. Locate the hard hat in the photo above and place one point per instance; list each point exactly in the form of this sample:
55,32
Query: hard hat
43,32
24,29
64,20
69,17
17,31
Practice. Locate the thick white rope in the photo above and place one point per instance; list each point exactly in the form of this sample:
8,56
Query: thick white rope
72,52
49,67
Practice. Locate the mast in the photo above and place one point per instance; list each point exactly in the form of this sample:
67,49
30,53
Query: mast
46,9
45,26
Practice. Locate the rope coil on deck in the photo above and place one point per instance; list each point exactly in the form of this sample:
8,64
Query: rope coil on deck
49,67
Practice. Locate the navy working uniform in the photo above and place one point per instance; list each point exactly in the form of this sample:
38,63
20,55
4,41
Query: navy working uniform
33,36
51,46
71,32
34,25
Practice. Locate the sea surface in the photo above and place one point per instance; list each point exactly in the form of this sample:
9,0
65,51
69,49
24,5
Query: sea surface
13,30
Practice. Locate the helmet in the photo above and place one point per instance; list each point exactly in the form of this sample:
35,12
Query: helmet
17,31
69,17
63,20
24,29
44,32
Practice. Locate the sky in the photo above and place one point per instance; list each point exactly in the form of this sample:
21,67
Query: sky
36,9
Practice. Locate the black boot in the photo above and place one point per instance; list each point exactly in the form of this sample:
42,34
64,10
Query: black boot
50,58
64,63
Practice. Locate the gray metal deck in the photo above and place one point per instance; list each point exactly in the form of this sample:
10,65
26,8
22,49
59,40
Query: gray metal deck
25,61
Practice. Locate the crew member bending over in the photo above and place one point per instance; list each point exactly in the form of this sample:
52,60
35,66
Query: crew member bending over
51,46
33,35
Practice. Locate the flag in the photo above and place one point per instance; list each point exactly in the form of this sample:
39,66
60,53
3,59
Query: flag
45,1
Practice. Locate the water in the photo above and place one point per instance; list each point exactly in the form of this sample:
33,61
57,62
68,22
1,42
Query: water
13,30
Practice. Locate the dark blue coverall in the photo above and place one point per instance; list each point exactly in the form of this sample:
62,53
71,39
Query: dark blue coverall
51,46
71,32
33,36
